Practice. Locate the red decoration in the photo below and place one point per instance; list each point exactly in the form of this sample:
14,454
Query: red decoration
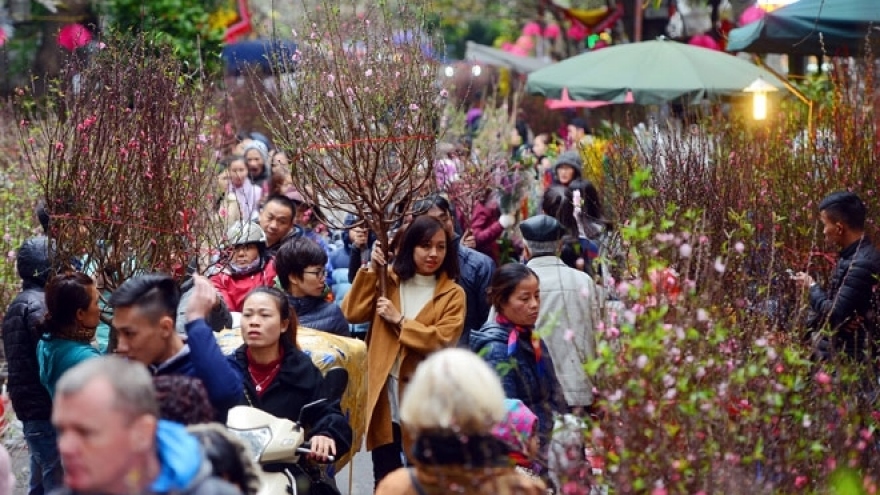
242,27
705,41
552,31
73,36
531,29
577,31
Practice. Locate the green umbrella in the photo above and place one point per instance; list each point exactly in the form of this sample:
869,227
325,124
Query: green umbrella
654,71
810,27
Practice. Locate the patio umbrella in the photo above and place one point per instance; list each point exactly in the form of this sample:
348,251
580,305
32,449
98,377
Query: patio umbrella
653,71
843,26
493,56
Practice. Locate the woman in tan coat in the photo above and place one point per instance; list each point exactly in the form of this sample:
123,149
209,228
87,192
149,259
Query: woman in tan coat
423,312
453,403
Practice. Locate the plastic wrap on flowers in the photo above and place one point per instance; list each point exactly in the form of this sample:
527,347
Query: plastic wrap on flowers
329,351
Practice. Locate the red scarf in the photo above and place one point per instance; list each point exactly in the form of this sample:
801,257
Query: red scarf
262,375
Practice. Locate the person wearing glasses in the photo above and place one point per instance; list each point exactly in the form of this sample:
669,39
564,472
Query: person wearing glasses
301,267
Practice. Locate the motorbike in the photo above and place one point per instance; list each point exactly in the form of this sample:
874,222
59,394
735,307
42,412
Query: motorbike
279,445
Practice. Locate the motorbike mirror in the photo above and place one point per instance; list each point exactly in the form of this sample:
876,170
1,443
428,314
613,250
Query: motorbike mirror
335,383
308,411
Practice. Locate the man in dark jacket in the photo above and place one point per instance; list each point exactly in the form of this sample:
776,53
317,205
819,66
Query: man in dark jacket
31,401
300,264
144,312
845,306
112,440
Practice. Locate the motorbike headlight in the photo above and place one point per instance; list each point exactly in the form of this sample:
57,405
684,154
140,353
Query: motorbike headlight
256,439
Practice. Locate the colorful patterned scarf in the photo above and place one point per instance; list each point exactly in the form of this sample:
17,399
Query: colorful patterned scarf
515,332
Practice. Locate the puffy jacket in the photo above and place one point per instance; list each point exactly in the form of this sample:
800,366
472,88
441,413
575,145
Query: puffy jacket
183,468
319,314
234,288
20,336
538,390
298,383
476,272
486,228
849,295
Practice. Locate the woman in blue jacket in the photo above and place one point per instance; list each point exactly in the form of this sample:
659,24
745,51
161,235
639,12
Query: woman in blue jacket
512,347
72,316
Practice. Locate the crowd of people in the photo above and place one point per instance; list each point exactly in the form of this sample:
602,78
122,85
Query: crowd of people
473,355
281,268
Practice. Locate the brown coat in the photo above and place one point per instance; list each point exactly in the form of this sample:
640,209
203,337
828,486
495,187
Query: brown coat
438,325
436,480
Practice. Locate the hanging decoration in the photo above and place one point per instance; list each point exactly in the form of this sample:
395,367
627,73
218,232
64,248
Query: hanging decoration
235,31
704,41
73,36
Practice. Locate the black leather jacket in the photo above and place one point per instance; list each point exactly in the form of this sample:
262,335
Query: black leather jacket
846,304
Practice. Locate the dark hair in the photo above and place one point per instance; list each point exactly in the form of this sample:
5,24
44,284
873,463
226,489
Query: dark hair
183,399
65,295
229,160
155,295
284,310
580,124
558,202
295,256
419,231
592,210
283,201
505,280
422,206
846,207
228,456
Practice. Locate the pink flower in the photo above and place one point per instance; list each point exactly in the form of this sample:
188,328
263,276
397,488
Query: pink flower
368,73
413,107
685,250
739,247
800,482
444,93
822,378
569,335
330,94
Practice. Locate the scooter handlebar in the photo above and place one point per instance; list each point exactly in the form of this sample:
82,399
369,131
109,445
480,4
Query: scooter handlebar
306,448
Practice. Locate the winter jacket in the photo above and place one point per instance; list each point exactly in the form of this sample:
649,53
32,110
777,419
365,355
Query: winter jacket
569,301
849,296
184,470
298,383
203,359
234,288
30,399
476,272
486,229
438,325
57,355
521,376
319,314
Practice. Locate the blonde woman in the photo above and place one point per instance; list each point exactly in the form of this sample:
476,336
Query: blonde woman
452,404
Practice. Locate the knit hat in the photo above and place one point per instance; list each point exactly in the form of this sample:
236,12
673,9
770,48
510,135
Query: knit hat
573,159
259,146
245,233
518,425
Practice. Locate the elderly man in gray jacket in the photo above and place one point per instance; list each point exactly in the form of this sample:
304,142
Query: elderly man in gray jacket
569,309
